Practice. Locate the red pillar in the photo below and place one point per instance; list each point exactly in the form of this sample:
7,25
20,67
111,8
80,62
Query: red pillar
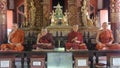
115,18
3,21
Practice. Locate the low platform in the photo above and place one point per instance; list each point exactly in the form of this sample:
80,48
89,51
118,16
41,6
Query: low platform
78,53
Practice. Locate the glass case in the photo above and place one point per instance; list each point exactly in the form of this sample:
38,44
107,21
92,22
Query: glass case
59,60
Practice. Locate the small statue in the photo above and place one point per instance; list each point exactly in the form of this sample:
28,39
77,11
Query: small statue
95,21
53,19
32,13
65,18
84,12
87,22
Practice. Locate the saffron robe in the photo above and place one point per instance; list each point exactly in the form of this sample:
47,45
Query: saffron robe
71,44
44,41
15,38
105,37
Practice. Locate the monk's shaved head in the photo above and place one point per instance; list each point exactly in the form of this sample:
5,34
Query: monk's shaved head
44,31
75,28
105,25
15,26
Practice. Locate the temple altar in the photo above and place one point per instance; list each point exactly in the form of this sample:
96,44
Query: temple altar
59,30
59,26
32,15
58,23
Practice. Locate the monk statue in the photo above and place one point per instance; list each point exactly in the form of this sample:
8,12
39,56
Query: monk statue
75,39
16,39
44,40
105,39
32,13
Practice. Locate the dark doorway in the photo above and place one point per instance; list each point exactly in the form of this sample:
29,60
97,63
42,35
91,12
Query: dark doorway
61,2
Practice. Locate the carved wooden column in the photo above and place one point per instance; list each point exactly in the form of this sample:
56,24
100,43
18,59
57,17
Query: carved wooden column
46,12
39,13
3,24
72,8
115,18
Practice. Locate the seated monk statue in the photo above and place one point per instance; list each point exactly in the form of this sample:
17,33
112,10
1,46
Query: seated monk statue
75,39
105,38
16,40
44,40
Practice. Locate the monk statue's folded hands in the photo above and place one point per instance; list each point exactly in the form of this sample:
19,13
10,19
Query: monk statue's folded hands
18,44
82,44
12,44
38,48
75,38
49,44
100,43
76,41
110,42
44,44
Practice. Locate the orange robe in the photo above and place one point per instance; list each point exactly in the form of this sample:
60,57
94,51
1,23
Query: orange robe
105,37
16,37
73,45
45,39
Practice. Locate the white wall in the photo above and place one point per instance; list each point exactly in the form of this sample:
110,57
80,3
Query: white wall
100,4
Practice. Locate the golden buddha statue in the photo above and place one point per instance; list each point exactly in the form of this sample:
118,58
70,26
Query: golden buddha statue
58,18
86,21
84,12
53,18
65,18
89,22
